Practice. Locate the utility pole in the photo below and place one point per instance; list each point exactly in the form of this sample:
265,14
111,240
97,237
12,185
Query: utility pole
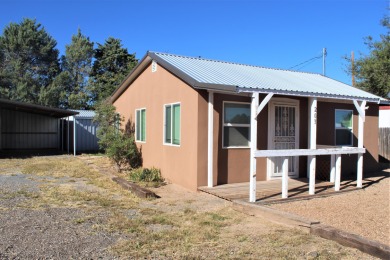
323,60
353,68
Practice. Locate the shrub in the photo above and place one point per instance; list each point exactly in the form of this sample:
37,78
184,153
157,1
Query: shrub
119,145
146,175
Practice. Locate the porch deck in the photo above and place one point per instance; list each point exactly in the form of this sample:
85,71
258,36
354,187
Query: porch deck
268,192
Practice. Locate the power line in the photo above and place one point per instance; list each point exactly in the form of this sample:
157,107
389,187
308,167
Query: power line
304,63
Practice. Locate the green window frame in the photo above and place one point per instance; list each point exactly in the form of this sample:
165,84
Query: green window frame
343,127
236,125
140,125
172,118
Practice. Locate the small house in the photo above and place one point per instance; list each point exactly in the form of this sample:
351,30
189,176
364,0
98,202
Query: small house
207,122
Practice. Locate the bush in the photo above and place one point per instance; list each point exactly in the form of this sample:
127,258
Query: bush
146,175
119,145
124,152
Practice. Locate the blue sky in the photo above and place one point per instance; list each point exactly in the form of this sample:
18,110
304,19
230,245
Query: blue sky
278,34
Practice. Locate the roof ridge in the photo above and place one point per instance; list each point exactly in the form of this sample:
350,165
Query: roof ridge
233,63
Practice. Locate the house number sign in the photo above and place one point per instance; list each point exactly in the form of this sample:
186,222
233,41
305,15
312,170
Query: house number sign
315,115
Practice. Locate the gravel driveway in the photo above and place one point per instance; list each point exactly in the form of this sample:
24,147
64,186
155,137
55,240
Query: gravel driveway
47,232
61,208
365,212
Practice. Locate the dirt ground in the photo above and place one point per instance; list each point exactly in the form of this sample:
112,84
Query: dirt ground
60,207
365,212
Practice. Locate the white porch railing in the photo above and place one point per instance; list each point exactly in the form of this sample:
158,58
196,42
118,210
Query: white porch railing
335,152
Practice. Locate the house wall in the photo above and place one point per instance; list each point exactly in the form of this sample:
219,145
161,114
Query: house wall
152,90
186,164
231,165
326,136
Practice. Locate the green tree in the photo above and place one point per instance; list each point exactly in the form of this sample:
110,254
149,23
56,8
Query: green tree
112,64
28,61
70,86
372,71
119,145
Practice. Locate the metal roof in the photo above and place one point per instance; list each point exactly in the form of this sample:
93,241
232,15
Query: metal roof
84,113
227,76
36,109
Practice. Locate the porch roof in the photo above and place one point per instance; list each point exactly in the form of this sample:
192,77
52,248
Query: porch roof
232,77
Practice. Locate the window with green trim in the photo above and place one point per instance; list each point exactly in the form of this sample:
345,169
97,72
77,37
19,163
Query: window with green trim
140,125
343,127
172,124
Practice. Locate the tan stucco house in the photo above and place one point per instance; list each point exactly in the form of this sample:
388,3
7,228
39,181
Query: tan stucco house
206,122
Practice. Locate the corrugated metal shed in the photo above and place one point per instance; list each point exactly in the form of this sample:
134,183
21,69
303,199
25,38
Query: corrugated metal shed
85,113
86,138
25,126
227,76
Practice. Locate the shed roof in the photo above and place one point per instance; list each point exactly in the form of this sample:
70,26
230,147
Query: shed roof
84,113
233,77
36,109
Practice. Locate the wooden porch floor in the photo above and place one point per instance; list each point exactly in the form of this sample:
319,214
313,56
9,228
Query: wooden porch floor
268,192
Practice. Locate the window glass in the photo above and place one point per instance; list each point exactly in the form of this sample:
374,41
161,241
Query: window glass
140,125
143,125
168,124
236,136
237,113
176,124
236,124
343,118
343,127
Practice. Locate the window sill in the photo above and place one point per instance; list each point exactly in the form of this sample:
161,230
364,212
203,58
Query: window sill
236,147
175,145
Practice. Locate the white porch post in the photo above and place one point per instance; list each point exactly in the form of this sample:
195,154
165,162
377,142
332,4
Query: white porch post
285,178
338,172
311,160
332,167
253,144
210,175
362,117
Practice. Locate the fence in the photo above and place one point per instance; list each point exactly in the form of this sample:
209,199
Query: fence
384,142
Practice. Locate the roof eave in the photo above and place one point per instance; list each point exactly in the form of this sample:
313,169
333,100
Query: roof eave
307,94
34,108
134,73
174,70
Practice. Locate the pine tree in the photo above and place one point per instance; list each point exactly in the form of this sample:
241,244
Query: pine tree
70,86
112,64
28,61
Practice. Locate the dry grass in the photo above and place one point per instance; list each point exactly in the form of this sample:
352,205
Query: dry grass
183,227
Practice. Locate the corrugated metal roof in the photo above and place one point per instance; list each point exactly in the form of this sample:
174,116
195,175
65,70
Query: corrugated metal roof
33,108
84,113
204,73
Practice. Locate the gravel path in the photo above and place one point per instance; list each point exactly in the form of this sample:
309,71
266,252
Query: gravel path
48,233
364,212
52,233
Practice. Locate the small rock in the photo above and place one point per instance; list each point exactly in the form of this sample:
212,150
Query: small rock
312,255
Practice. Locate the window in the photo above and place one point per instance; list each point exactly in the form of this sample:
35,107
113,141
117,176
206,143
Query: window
172,124
343,127
236,124
140,125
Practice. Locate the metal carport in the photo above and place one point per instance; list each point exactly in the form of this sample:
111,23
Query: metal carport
25,126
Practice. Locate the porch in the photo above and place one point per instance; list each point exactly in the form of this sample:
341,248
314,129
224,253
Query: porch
270,191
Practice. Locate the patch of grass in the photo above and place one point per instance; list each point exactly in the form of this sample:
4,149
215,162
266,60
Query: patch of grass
19,193
146,177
